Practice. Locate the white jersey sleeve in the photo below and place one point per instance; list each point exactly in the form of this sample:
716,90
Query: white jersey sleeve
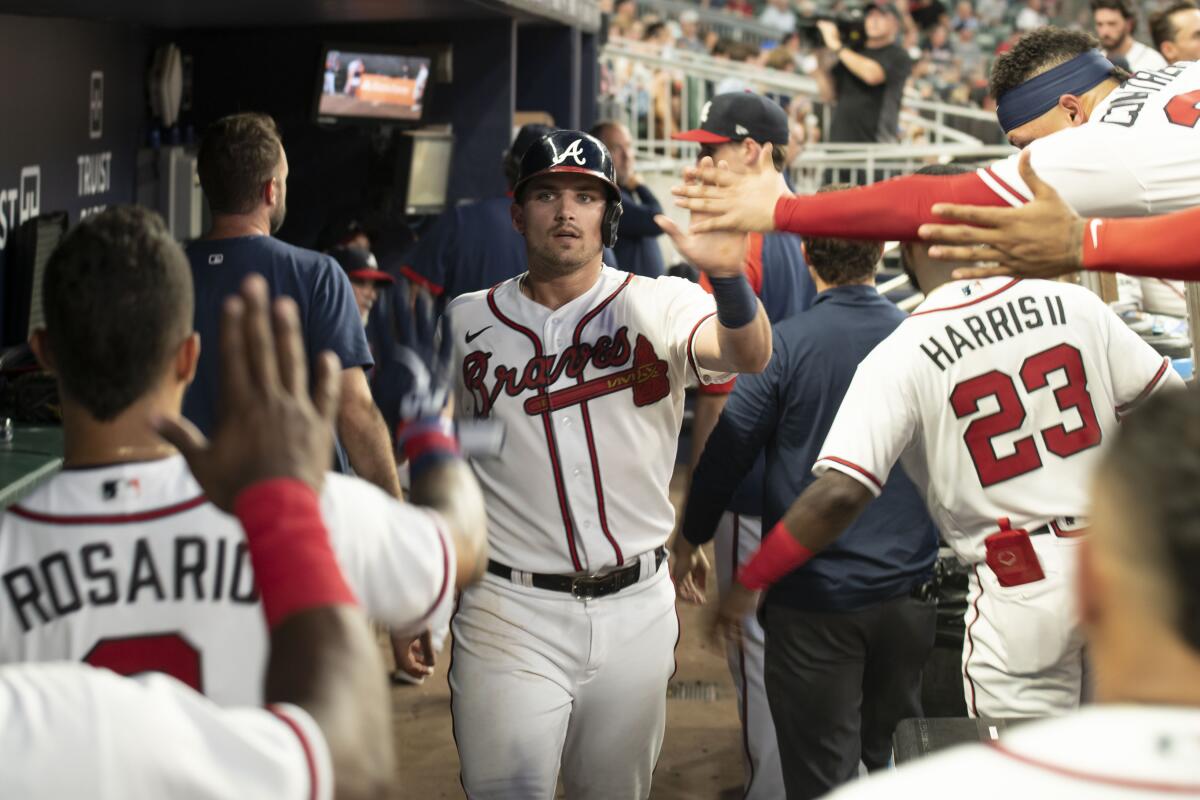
396,557
70,730
1137,370
875,422
685,309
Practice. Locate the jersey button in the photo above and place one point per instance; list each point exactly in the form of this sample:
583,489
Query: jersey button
577,472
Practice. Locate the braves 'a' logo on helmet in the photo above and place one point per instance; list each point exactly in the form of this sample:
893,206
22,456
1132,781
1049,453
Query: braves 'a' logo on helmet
574,150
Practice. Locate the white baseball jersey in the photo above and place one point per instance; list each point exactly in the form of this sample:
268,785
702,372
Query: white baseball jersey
1101,752
591,397
997,396
68,730
1143,57
1136,154
129,567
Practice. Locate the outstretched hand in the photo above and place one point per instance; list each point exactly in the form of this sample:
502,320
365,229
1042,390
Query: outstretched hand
721,253
731,201
269,427
1041,239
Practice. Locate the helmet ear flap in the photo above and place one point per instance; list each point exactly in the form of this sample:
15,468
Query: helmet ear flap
608,226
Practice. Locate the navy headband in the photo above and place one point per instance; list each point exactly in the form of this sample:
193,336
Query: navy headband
1038,95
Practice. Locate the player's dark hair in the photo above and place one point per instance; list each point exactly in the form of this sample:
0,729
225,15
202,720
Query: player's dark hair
1039,51
1156,461
1124,7
238,154
928,169
1162,28
841,261
117,300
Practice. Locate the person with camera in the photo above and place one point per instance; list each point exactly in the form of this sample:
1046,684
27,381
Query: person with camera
864,85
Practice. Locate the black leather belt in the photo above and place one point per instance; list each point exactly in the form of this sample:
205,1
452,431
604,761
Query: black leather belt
584,587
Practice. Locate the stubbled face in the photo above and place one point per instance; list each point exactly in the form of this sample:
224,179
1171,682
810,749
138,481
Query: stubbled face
1111,27
279,210
365,295
620,145
560,216
1185,46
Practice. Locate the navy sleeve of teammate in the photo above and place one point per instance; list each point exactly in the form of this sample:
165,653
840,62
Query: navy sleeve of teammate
746,423
638,217
432,259
333,321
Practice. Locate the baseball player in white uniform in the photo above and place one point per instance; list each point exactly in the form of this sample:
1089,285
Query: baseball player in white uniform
120,560
998,397
1138,595
563,652
69,730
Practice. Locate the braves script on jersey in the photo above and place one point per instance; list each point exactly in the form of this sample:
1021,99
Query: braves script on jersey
129,567
1135,155
591,396
995,395
73,731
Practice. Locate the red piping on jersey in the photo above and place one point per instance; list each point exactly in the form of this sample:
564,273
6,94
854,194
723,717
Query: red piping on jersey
441,595
421,280
1125,783
691,337
107,519
308,753
854,467
587,422
971,644
551,443
1004,185
1003,288
737,531
1162,370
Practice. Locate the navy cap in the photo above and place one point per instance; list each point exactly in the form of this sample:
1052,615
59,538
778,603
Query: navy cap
735,116
360,264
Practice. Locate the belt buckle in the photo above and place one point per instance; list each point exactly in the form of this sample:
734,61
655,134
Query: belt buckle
587,587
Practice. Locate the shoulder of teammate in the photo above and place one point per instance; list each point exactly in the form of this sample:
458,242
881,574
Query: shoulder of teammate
398,557
145,723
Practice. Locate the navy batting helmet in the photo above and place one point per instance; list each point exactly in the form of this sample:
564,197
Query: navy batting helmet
575,151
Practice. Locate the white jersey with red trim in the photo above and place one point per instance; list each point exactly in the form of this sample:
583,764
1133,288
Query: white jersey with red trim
73,731
129,567
1101,752
997,396
591,397
1135,155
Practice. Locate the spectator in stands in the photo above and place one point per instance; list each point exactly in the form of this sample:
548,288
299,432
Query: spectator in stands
964,16
967,50
1115,21
1031,17
742,7
689,38
928,14
623,19
1176,31
473,246
865,86
243,172
990,12
778,15
637,248
938,46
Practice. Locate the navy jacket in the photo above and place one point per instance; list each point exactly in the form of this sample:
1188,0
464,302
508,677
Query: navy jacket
637,246
787,411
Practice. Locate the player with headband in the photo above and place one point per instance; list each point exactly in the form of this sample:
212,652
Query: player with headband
1110,143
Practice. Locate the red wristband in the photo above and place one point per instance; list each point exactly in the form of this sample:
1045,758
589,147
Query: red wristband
294,565
780,554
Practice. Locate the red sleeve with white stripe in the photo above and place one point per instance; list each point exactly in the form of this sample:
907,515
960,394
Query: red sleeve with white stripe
874,423
1158,247
397,557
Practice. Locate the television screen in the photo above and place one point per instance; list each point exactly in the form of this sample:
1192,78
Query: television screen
366,84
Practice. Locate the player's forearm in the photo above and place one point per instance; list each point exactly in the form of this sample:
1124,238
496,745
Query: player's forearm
450,489
368,442
322,658
746,348
886,211
1160,247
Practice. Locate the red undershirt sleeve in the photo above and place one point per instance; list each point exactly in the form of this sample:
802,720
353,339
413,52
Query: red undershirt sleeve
890,210
1161,247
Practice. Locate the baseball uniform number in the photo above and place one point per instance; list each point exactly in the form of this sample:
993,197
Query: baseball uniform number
162,652
1010,415
1184,109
